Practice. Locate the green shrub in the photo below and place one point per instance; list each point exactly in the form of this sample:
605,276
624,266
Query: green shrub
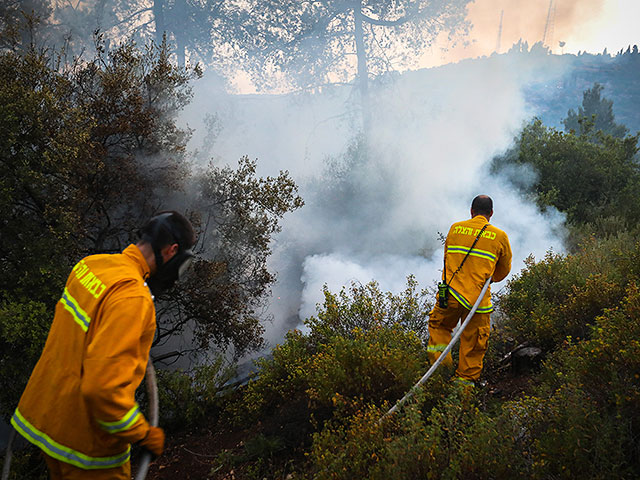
365,307
282,379
347,450
584,419
454,439
561,296
23,330
567,435
363,343
380,364
187,398
583,178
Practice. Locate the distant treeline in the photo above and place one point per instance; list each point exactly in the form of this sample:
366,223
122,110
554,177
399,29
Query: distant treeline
619,74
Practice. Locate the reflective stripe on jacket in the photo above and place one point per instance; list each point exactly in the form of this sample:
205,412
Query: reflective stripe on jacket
79,404
490,257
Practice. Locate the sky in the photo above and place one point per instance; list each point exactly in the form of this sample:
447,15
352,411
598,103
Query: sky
589,25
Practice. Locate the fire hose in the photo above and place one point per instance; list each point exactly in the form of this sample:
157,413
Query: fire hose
152,392
442,356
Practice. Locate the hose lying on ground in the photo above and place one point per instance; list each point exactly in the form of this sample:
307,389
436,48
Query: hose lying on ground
152,391
442,356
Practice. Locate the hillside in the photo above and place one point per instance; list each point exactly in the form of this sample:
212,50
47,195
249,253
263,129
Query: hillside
559,396
555,83
313,408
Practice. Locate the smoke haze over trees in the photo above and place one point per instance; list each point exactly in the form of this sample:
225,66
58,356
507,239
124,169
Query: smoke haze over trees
370,208
93,145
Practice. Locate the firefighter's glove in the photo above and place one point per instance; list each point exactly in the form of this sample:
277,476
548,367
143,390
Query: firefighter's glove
154,441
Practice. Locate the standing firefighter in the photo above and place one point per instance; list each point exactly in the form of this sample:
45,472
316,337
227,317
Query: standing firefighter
79,404
474,251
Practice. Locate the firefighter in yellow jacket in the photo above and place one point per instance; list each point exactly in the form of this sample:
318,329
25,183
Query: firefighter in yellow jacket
79,404
474,251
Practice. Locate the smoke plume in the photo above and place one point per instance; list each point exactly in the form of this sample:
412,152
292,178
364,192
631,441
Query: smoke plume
375,208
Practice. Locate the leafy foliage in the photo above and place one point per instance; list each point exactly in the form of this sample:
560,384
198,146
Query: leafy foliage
588,398
588,181
360,346
24,325
455,439
315,41
188,398
74,134
595,115
581,420
561,296
222,298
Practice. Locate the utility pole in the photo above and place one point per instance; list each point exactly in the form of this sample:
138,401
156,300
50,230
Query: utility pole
499,33
547,37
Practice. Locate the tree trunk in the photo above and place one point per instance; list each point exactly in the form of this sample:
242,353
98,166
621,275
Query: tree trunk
363,74
180,50
158,17
180,30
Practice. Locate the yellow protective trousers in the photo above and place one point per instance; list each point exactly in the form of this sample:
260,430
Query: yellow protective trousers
473,341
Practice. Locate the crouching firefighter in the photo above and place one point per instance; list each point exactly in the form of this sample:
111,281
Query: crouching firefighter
473,252
79,404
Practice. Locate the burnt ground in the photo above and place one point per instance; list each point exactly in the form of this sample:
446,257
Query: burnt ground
222,455
217,452
197,455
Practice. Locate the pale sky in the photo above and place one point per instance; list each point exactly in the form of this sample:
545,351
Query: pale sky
589,25
583,25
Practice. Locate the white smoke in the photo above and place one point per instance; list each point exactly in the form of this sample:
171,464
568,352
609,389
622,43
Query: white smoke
434,134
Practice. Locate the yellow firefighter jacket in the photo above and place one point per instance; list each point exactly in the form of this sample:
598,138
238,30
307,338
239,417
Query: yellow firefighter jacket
490,257
79,405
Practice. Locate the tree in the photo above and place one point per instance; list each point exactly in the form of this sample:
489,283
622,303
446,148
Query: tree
135,98
595,115
223,298
43,146
199,28
330,41
196,30
89,151
587,180
19,20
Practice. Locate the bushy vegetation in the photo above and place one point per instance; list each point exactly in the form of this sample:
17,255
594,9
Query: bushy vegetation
75,132
560,296
576,416
190,397
359,349
579,417
591,181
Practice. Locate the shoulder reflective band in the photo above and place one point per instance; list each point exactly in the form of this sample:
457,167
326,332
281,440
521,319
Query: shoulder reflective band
123,424
467,305
62,453
476,252
78,314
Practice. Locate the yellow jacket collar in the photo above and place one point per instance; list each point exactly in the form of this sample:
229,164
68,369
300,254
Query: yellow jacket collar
133,252
481,219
